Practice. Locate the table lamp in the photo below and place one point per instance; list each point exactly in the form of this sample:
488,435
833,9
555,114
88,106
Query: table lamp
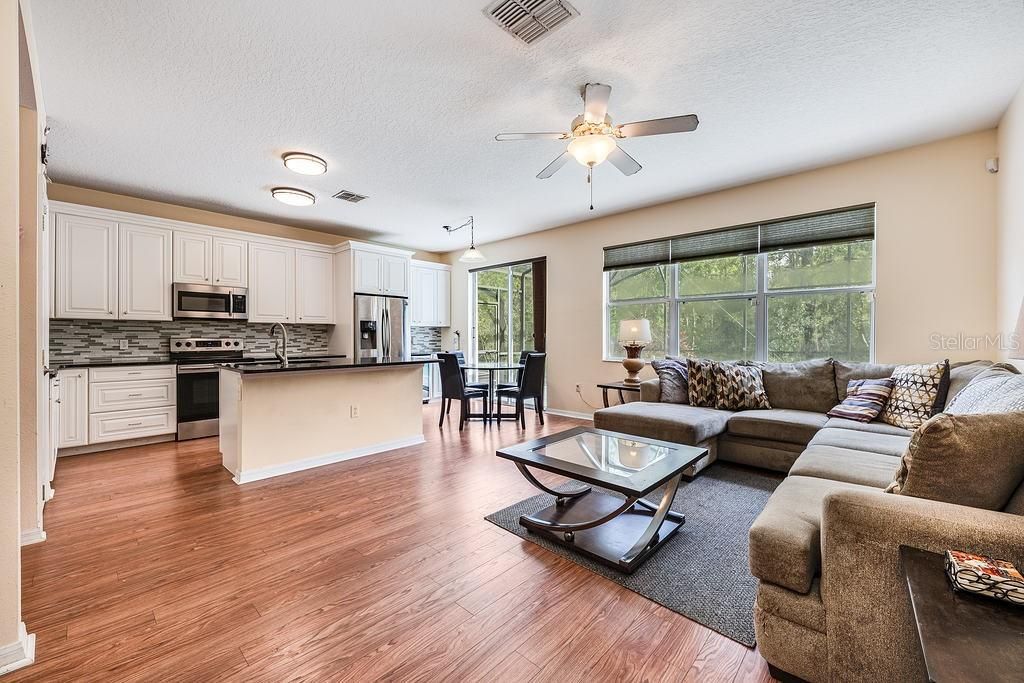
634,335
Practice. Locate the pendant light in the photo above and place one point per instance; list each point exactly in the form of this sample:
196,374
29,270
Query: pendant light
471,255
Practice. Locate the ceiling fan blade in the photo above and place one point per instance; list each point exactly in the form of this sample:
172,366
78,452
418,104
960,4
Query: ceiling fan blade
551,168
501,137
595,102
622,161
671,124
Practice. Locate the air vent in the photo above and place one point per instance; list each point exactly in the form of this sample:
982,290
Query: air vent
530,20
349,196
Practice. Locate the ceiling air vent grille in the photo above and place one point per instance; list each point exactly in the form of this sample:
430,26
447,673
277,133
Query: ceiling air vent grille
349,196
530,20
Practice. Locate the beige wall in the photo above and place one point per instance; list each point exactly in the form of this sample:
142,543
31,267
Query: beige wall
147,207
10,528
1011,215
936,213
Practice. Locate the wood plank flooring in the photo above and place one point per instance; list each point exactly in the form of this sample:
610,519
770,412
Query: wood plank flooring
158,568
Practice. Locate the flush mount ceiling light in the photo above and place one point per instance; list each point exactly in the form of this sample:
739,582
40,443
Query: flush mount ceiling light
471,255
306,164
293,196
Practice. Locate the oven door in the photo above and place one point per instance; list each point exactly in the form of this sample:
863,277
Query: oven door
205,301
198,401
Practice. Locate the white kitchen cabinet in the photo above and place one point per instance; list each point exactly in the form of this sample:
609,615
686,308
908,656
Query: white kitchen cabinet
368,272
230,262
314,287
73,407
193,258
271,283
430,294
85,267
144,272
132,424
395,275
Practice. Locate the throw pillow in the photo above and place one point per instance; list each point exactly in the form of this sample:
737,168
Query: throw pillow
918,392
672,372
700,375
865,399
994,391
739,387
972,460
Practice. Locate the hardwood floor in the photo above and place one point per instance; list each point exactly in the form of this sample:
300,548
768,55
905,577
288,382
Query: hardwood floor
158,567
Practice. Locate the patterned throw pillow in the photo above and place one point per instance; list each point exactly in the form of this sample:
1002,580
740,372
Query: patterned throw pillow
672,372
993,391
701,382
864,400
739,387
918,392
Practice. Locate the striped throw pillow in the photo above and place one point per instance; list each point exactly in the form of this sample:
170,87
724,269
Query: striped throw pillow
865,399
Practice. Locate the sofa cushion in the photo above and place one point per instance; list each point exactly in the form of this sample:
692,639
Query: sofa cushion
961,374
791,426
865,399
665,421
848,370
972,460
808,385
918,392
739,387
650,390
672,376
768,455
700,377
847,464
785,539
996,390
873,442
874,427
806,610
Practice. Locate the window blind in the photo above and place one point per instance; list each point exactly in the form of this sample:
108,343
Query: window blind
840,225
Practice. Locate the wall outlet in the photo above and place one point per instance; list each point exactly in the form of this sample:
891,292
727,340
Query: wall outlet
354,411
123,344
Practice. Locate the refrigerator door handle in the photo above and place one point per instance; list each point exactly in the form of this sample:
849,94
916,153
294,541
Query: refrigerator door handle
385,332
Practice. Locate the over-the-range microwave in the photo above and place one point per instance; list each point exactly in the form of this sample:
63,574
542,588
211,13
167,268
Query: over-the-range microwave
210,301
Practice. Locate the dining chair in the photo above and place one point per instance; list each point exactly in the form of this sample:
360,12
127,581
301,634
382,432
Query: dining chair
461,356
519,371
453,387
531,385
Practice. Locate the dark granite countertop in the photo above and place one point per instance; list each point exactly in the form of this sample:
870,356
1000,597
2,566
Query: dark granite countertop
313,364
115,362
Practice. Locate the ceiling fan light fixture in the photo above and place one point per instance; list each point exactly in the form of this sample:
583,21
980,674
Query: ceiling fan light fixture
293,196
306,164
591,150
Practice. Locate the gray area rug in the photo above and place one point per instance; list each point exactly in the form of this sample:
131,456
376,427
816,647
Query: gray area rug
703,572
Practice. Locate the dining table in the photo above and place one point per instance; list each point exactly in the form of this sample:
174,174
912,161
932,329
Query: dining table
492,369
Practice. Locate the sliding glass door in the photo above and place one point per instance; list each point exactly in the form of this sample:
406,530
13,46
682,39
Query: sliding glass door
508,311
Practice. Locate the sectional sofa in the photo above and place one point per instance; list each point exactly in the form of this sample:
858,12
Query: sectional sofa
831,603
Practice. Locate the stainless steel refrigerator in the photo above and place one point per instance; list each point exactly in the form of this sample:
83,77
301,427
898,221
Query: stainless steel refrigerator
381,326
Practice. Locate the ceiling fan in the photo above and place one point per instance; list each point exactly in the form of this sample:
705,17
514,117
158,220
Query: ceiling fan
593,138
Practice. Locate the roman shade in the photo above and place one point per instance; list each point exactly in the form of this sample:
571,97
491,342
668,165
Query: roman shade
840,225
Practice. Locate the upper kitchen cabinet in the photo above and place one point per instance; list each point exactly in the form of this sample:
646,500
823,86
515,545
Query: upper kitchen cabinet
193,258
85,268
144,272
375,269
395,275
230,262
430,294
271,283
314,287
369,272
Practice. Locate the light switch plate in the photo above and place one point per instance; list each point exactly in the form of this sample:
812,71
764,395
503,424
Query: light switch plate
354,411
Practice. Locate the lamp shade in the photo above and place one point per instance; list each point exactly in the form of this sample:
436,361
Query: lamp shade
1018,349
634,332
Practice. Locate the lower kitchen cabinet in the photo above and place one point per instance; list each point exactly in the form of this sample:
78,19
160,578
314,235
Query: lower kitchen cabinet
73,408
131,424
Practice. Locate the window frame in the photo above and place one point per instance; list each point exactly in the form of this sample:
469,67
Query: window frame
760,296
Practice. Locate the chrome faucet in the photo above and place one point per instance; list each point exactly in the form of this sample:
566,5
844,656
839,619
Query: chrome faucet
280,349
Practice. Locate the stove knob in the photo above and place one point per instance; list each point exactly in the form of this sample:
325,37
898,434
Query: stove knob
188,343
177,344
238,343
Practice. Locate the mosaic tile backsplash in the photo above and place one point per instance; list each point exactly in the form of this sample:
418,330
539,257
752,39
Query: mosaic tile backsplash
90,341
426,339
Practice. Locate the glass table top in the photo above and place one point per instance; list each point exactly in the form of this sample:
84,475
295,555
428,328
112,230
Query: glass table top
612,454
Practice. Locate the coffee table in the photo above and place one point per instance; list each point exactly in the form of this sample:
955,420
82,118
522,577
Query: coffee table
619,533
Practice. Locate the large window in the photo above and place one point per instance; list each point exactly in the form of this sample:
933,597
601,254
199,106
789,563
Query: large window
811,301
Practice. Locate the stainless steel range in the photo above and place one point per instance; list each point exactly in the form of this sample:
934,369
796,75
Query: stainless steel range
198,382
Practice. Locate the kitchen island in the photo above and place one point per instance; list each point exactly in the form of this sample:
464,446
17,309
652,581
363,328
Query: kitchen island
277,418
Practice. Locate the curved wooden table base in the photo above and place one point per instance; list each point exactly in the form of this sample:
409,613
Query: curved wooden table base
603,527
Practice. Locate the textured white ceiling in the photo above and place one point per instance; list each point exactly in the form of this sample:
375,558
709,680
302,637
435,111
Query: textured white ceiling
193,101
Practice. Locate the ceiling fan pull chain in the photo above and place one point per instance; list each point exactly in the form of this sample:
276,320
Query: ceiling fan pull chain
590,181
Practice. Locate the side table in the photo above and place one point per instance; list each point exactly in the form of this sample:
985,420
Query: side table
619,387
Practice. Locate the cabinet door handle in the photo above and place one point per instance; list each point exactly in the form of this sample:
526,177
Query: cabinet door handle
134,395
134,424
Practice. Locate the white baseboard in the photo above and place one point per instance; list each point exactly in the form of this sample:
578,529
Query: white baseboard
569,413
30,536
20,653
327,459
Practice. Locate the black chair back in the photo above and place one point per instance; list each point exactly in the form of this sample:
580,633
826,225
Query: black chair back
460,356
452,384
531,384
